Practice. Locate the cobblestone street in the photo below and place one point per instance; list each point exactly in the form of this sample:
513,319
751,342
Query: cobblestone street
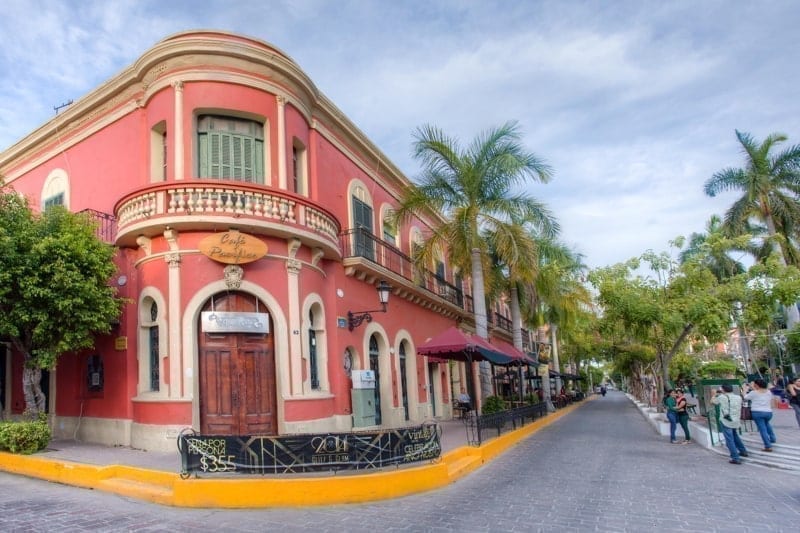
600,468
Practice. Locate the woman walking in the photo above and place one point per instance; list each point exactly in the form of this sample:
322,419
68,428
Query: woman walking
672,415
761,408
681,408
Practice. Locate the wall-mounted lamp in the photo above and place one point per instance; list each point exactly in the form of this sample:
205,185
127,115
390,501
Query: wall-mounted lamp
355,319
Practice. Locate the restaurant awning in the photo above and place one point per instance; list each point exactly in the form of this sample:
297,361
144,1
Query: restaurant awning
518,356
459,345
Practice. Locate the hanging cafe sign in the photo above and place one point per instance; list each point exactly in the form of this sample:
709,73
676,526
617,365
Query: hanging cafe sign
291,454
233,248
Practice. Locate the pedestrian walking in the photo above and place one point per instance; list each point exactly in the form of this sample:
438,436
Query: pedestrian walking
793,391
760,399
670,404
681,409
730,410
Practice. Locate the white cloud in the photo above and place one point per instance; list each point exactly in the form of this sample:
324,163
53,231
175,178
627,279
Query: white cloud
633,103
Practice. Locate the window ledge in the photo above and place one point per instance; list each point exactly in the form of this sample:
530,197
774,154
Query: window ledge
146,397
316,395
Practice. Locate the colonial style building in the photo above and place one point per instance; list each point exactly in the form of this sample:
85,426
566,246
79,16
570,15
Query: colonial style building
252,222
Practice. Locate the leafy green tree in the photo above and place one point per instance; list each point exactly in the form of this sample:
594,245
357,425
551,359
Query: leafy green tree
720,369
770,184
663,313
469,193
684,366
54,291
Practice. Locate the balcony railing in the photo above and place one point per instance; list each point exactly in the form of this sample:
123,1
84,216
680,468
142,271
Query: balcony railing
361,243
192,202
106,225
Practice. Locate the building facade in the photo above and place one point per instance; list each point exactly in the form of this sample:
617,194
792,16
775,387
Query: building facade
251,218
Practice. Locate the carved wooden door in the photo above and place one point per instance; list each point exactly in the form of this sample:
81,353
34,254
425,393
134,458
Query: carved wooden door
237,376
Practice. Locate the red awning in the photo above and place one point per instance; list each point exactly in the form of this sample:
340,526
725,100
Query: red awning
518,355
459,345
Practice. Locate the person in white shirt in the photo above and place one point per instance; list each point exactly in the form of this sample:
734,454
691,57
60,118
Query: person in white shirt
730,411
760,399
464,398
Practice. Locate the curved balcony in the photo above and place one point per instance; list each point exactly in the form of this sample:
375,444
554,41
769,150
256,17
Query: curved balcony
214,205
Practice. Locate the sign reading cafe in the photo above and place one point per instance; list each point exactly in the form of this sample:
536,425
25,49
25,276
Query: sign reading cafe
233,248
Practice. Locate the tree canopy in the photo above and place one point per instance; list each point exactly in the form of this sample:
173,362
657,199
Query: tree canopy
54,290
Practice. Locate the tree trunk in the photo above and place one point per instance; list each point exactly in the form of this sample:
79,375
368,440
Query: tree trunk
481,322
791,313
32,390
554,355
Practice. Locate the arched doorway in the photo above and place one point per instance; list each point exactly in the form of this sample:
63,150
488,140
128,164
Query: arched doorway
374,365
237,374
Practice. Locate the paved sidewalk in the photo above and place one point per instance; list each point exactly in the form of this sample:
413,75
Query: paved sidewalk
155,476
454,435
786,451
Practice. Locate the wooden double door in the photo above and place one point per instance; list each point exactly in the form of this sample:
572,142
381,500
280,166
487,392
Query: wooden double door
237,375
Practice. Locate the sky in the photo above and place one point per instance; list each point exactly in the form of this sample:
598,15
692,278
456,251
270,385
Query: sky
634,104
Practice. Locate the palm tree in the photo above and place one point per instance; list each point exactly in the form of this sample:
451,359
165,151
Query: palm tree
770,184
712,249
556,297
468,194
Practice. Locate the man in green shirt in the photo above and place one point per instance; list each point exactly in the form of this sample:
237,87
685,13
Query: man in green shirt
730,410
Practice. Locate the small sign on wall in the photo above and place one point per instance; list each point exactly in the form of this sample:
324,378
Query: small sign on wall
234,322
121,344
341,322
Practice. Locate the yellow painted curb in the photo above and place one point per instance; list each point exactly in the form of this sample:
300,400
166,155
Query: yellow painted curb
259,492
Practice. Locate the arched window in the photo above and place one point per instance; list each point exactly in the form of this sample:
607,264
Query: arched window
151,344
155,373
374,365
56,189
313,370
404,377
298,179
363,239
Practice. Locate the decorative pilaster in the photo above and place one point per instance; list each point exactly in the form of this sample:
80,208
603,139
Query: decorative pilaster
177,135
173,258
281,141
293,267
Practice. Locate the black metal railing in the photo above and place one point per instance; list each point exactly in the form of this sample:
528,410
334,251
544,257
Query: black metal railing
106,225
359,242
502,322
479,427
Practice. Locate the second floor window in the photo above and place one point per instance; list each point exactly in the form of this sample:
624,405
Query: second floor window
56,199
230,148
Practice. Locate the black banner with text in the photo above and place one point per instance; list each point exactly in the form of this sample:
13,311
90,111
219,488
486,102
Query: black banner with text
307,453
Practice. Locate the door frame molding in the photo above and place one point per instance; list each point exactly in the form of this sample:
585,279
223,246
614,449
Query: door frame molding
191,353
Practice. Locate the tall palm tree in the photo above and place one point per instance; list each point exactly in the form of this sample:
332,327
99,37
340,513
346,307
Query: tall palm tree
712,249
467,193
770,184
556,297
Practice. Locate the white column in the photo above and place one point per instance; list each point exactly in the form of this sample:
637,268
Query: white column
296,363
177,134
173,259
281,142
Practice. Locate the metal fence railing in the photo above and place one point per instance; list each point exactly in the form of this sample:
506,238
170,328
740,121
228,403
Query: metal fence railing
481,427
